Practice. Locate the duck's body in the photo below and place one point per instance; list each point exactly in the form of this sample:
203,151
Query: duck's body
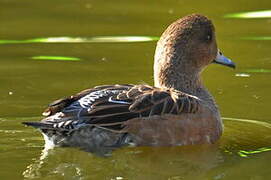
177,111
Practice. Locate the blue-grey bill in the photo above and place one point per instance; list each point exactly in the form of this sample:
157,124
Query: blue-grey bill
223,60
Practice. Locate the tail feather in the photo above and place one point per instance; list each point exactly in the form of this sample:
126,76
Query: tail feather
38,125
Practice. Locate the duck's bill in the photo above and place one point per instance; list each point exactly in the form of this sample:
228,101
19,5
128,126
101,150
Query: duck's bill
223,60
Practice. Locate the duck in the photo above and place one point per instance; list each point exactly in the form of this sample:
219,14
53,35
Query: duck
178,110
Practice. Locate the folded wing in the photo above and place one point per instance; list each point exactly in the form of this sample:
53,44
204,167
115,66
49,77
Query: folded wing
111,105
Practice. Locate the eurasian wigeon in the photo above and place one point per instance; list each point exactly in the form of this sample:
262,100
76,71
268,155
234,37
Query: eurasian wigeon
178,110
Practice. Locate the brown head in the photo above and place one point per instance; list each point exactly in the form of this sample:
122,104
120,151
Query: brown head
186,47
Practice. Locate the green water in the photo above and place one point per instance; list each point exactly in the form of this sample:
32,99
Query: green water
29,83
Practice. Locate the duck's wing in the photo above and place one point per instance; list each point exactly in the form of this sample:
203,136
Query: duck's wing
110,106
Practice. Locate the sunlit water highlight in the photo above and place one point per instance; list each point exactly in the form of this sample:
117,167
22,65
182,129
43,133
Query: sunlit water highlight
258,70
252,14
97,39
257,38
57,58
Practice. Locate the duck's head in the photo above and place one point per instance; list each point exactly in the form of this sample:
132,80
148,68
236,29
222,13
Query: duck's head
186,47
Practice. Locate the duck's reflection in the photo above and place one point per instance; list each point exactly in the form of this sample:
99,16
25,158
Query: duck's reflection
127,163
53,161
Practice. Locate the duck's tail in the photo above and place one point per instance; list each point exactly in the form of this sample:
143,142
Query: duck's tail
38,125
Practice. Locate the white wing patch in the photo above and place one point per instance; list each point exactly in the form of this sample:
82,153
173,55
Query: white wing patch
116,101
87,100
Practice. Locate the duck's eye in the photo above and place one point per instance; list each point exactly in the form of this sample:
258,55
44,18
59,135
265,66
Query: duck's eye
209,37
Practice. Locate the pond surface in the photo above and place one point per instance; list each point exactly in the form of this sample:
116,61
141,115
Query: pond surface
88,49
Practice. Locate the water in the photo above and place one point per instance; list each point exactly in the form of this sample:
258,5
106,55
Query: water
28,84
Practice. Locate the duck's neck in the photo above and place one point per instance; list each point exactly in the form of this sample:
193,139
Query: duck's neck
184,82
174,67
179,80
172,70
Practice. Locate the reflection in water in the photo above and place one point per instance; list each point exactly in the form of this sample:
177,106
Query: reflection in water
252,14
96,39
166,162
33,170
39,168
